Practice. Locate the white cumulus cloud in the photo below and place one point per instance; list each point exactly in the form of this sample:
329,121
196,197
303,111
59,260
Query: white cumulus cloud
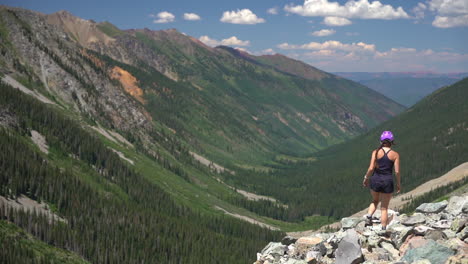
191,16
267,52
323,32
164,17
419,10
362,9
449,7
450,21
335,56
330,45
273,11
336,21
244,16
449,13
232,41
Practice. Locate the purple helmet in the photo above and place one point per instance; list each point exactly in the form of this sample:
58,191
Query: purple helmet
386,135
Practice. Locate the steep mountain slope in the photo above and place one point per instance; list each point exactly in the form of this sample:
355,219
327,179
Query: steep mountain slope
231,106
430,137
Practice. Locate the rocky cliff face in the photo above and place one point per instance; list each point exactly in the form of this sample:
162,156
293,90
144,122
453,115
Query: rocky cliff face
48,60
436,233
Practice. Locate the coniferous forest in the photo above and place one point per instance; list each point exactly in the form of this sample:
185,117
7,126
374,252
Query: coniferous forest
143,225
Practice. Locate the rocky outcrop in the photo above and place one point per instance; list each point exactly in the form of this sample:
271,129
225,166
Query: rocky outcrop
437,233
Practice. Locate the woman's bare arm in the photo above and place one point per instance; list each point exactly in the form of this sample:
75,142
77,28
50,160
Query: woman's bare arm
397,172
370,170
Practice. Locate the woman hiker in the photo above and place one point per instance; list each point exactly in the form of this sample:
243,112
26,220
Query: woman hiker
382,163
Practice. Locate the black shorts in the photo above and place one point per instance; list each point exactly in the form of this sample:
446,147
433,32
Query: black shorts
381,183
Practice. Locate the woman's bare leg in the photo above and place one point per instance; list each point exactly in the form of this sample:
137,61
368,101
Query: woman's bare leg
375,202
384,208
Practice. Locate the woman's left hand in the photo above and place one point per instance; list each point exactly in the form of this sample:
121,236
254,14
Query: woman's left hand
365,182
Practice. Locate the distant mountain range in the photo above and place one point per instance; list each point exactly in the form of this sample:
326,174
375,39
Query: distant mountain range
406,88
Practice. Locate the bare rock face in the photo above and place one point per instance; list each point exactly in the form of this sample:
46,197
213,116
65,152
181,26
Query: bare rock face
58,65
429,208
349,249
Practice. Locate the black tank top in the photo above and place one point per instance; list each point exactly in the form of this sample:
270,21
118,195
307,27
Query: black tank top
385,165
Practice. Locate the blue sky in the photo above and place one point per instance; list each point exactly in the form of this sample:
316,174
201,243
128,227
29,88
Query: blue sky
356,35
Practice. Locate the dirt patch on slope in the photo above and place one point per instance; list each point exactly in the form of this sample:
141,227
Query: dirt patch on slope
15,84
128,81
248,219
40,141
27,204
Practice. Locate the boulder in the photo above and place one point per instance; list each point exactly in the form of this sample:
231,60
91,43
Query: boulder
350,222
399,233
412,242
432,208
456,244
422,261
373,241
295,261
377,255
458,224
288,240
309,240
349,249
432,251
422,229
415,219
442,224
449,233
390,249
463,234
313,257
274,249
455,205
458,259
435,235
465,208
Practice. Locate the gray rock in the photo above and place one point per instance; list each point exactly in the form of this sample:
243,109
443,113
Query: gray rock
435,235
383,255
361,227
373,241
421,230
295,261
458,224
349,250
321,248
350,222
429,208
465,208
442,224
462,235
422,261
399,233
274,249
288,240
455,205
415,219
330,250
432,251
390,249
449,233
313,257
